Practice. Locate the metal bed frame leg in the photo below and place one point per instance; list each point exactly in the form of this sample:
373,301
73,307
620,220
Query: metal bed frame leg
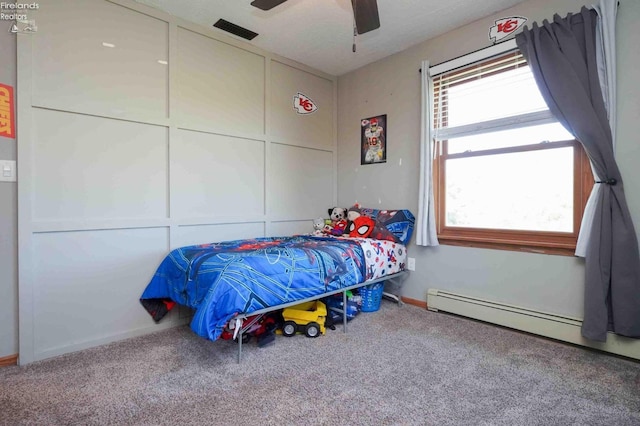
241,329
344,311
395,297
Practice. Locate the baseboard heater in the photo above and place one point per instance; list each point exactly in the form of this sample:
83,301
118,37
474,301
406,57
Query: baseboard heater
558,327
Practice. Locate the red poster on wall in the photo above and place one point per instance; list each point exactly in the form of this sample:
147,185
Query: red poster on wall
7,117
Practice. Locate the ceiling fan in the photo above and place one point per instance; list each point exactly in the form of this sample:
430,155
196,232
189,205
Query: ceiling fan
364,11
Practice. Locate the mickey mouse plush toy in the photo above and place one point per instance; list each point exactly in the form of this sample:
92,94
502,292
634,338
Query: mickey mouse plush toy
338,216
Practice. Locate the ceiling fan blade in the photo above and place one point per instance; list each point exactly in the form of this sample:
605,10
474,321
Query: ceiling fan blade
366,15
266,4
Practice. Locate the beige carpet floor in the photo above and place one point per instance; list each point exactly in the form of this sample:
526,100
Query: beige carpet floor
397,366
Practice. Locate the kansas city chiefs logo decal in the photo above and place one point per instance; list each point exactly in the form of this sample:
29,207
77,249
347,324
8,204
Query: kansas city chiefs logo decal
505,27
303,105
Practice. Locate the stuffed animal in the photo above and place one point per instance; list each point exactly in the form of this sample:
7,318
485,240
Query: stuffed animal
361,226
337,213
336,228
318,227
338,221
353,212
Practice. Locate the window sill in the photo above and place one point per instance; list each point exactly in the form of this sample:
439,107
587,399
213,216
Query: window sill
557,249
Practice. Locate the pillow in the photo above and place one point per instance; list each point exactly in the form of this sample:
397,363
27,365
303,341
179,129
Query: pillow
397,222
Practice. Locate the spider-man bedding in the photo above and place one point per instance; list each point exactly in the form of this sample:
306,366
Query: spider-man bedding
221,280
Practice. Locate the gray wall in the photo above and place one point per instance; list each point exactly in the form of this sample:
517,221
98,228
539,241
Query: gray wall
8,215
392,86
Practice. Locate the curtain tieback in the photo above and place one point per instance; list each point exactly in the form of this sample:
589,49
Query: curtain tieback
610,181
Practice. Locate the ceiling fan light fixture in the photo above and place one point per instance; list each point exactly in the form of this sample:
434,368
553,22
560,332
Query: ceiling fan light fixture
365,13
266,4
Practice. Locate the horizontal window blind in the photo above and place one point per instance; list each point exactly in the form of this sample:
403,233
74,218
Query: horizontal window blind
499,92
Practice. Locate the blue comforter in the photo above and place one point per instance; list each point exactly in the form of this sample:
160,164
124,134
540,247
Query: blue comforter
220,280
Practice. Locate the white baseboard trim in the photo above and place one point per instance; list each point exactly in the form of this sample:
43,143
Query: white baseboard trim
558,327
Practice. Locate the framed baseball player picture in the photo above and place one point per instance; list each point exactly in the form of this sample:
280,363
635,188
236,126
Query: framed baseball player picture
373,140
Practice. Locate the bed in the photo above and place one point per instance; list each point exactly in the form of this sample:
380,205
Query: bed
237,279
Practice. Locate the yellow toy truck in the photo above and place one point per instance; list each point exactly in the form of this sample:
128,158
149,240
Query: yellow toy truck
307,318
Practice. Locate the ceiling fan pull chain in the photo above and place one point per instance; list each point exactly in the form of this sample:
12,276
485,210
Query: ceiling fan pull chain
354,40
355,28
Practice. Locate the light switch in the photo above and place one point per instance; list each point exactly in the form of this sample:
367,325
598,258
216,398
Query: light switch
7,171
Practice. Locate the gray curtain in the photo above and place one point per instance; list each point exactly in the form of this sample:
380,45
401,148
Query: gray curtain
562,56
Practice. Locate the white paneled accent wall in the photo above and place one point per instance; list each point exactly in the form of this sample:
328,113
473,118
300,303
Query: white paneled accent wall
217,175
310,166
97,57
220,86
196,234
311,130
140,133
290,227
88,167
83,284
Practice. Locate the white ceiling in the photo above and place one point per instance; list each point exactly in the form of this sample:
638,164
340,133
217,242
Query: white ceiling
319,33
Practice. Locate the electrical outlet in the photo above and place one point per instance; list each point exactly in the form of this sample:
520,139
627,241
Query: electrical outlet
411,263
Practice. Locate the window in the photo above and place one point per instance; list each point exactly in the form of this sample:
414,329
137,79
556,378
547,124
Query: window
507,175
